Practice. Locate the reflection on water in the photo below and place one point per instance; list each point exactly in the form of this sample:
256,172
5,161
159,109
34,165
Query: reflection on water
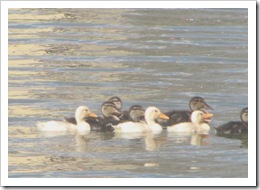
200,139
243,137
62,58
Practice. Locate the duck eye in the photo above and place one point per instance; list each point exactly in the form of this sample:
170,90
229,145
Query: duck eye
86,110
155,111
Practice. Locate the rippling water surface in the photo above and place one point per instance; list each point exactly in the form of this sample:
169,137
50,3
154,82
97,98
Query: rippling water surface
62,58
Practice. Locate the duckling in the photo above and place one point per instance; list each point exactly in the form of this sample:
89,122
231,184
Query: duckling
117,101
136,113
110,116
80,125
199,123
180,116
235,127
151,114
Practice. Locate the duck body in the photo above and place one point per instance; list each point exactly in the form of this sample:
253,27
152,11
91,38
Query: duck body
180,116
96,124
100,124
198,123
235,127
177,116
188,127
61,126
130,127
232,127
182,127
151,113
79,125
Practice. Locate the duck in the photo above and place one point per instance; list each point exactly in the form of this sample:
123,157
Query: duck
136,113
110,110
117,101
199,123
235,127
180,116
110,116
119,104
81,125
151,114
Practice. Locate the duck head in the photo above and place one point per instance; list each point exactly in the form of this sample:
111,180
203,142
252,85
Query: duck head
153,113
117,101
109,109
136,113
198,103
244,116
198,117
82,112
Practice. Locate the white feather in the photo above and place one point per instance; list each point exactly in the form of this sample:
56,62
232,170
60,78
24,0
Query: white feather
196,124
151,113
81,126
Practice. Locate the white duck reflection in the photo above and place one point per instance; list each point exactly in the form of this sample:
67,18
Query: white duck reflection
199,139
152,142
195,139
64,126
149,125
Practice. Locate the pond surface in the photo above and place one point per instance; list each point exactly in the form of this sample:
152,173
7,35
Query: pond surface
62,58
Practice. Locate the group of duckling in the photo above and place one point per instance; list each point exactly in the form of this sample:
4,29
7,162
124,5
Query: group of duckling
137,119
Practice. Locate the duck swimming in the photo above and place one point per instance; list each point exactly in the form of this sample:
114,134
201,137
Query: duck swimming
151,114
180,116
136,113
235,127
109,109
81,125
199,123
117,101
110,116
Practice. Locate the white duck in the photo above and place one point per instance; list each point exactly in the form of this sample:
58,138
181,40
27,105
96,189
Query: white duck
199,123
151,114
82,125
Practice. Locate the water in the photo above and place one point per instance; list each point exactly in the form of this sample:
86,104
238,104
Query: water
62,58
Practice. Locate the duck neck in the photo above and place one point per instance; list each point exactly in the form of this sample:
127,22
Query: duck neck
79,119
202,127
152,125
149,121
195,121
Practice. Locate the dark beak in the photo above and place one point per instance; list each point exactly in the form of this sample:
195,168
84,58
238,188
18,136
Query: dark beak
206,106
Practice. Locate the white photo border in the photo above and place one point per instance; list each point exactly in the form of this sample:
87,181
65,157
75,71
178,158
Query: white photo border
250,181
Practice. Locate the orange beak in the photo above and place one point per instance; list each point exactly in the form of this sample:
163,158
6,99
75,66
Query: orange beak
163,116
208,115
92,114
